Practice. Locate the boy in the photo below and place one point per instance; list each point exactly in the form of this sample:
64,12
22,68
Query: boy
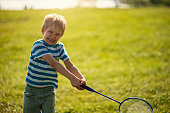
42,74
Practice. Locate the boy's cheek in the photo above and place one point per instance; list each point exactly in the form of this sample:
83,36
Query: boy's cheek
45,35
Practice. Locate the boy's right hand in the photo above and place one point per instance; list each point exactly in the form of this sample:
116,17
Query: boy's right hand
75,82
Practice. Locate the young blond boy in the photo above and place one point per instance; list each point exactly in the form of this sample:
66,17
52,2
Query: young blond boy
42,75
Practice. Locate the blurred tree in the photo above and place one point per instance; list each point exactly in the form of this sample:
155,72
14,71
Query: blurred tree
158,2
136,3
155,1
117,3
25,7
166,2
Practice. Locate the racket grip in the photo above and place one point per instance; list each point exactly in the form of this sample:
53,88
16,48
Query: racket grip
87,88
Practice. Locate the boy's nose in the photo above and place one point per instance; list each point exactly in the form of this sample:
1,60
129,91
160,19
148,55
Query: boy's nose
53,36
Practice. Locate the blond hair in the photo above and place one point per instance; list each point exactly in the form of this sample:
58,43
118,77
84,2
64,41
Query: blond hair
53,19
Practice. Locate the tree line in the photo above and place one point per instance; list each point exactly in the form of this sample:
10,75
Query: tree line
138,3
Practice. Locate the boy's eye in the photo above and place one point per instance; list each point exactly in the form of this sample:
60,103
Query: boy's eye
50,31
57,34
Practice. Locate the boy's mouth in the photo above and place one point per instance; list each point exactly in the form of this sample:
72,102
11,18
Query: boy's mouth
51,40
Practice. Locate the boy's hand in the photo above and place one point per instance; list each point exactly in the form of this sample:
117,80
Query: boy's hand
83,81
75,82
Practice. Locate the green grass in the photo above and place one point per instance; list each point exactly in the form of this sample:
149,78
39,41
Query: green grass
122,53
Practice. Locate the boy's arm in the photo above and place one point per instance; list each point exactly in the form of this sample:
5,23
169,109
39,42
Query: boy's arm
73,69
75,81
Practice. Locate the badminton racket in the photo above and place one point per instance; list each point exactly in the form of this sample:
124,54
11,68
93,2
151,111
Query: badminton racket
129,105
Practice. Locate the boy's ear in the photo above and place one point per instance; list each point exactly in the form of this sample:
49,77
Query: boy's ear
42,29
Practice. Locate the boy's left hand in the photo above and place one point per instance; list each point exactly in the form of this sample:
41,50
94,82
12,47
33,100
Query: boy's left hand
83,81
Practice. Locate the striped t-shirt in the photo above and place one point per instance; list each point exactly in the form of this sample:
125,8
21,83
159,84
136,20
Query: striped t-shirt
40,73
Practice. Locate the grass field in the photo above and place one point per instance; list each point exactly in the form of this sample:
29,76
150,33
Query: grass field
121,52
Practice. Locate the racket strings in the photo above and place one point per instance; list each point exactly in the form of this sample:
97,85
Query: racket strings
135,106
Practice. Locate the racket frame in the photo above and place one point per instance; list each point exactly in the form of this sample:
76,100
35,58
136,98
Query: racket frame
134,98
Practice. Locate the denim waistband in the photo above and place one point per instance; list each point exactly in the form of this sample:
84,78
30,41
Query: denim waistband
32,87
39,92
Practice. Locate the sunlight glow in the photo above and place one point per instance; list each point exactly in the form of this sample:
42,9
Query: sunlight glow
52,4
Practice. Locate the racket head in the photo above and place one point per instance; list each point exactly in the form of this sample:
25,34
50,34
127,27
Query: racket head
135,105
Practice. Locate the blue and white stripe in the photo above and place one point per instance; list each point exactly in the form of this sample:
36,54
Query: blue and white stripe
40,73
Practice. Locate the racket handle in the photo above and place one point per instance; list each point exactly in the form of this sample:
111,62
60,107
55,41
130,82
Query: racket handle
87,88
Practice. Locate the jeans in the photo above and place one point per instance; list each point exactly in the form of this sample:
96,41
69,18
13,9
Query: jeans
39,99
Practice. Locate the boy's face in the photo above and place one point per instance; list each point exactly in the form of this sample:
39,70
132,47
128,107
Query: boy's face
51,35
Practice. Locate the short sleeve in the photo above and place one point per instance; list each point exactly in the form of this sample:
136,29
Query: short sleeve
63,54
39,50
